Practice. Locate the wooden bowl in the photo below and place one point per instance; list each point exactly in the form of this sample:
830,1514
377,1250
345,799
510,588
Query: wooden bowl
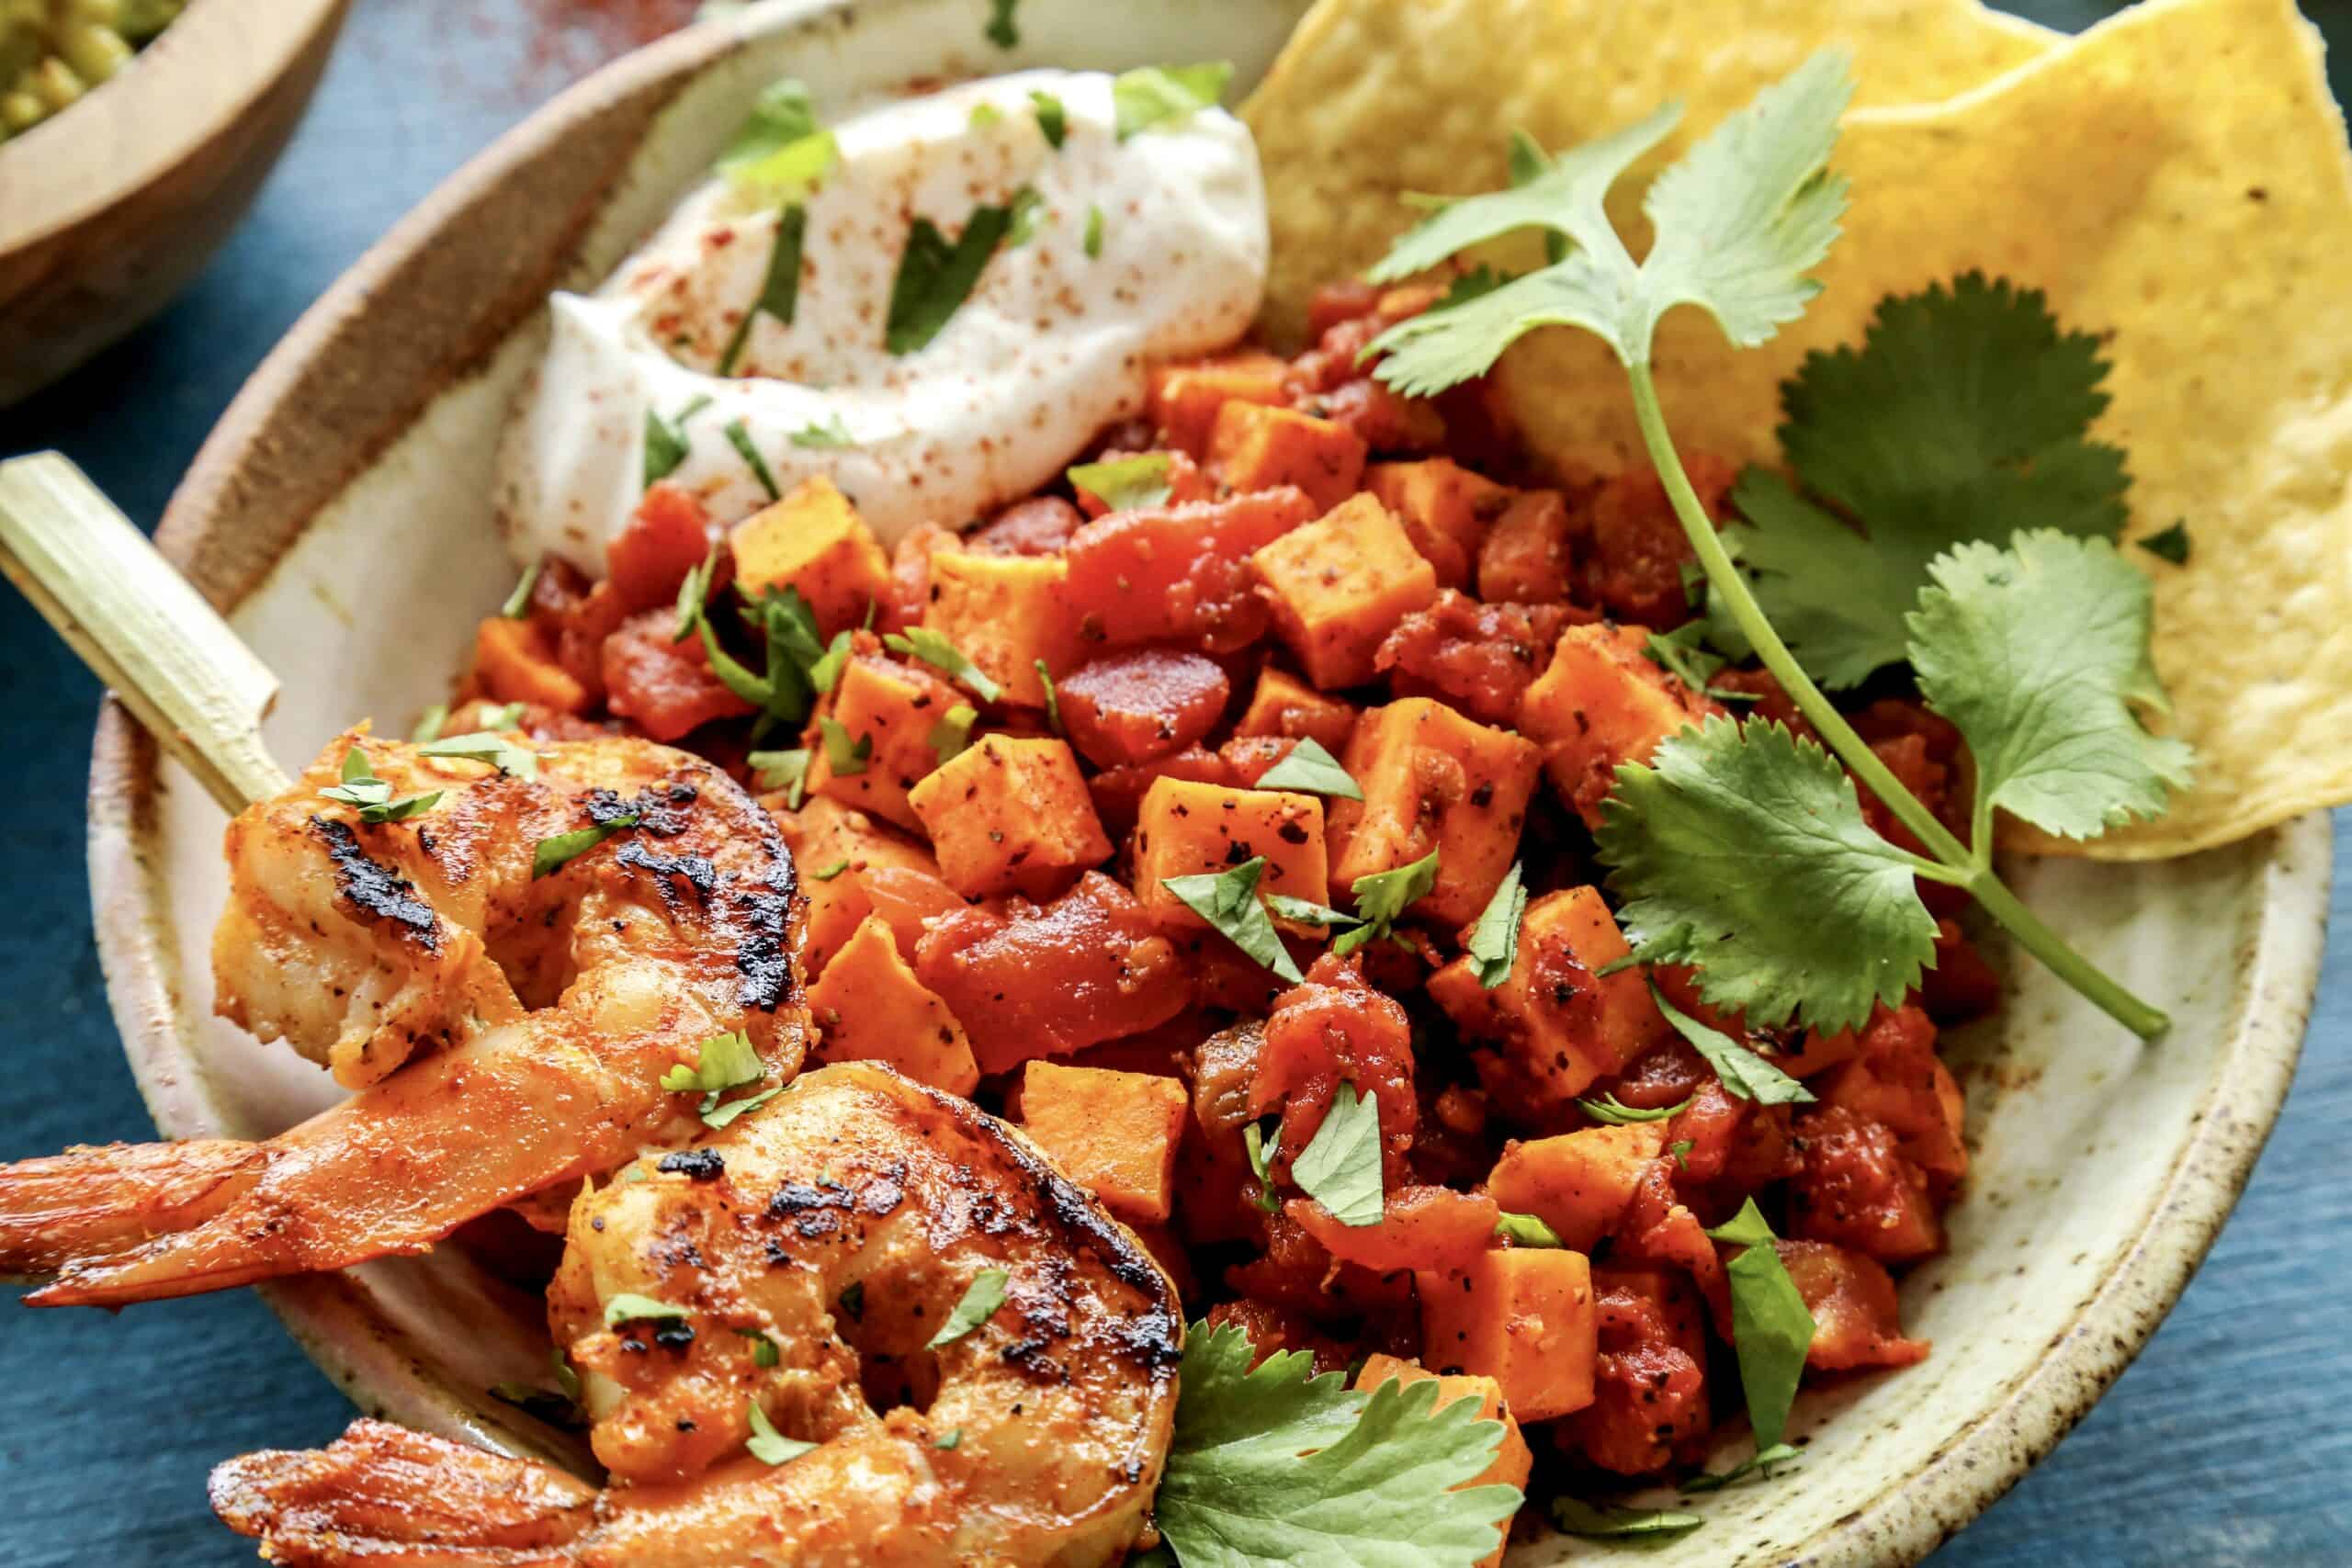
341,515
107,208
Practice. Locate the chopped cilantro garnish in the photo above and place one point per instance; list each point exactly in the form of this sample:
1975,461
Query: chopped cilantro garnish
1309,768
486,746
429,724
1615,1112
722,1115
665,439
831,433
1681,654
1526,1230
1094,231
1052,118
827,872
1053,699
1228,900
844,757
827,671
630,1307
952,735
923,643
1155,94
1253,1144
786,771
550,855
1028,211
694,594
740,438
1381,900
985,115
1770,1329
1126,484
769,1445
2170,544
721,1062
1271,1465
934,277
1744,1073
518,603
1681,1149
362,788
1654,1524
763,1351
779,297
1494,940
1002,30
981,1300
948,1439
1759,1463
1339,1166
780,116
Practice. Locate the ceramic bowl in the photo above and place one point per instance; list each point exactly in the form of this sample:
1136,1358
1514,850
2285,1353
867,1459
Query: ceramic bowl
340,514
107,208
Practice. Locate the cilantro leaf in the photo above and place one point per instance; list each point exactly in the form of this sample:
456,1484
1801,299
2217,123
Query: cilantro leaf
2168,544
828,433
1307,912
628,1307
981,1300
1526,1230
665,440
786,771
827,671
1053,120
952,735
721,1062
934,277
846,759
1309,769
2039,653
779,297
1837,597
1228,900
739,437
551,854
1001,30
724,1115
486,746
1654,1524
1771,1328
362,788
1094,232
1339,1166
949,1439
1028,208
1759,1463
1615,1112
1053,699
1155,94
1274,1466
1494,940
1738,219
1253,1144
923,643
1682,653
1124,484
781,114
769,1445
518,603
1746,1074
1743,849
1381,899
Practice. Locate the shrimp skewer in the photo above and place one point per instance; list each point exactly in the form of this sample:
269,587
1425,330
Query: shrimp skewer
840,1226
506,1030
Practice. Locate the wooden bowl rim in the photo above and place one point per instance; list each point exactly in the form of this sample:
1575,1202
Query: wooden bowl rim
147,142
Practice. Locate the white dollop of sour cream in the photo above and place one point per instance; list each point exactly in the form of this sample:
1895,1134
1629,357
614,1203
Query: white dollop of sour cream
1051,344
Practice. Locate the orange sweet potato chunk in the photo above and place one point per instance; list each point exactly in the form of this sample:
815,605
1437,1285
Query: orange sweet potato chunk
1254,446
1115,1134
515,662
1284,707
1602,702
1578,1183
1431,1228
1523,1316
869,1007
834,849
1183,400
1185,828
1433,780
1011,815
1339,585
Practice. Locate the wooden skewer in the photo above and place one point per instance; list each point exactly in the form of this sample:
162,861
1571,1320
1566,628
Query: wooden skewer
165,652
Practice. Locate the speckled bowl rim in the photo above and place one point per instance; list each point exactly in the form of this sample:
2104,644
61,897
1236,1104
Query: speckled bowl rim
385,1373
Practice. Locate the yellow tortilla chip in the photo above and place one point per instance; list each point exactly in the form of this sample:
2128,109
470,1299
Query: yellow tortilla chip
1372,98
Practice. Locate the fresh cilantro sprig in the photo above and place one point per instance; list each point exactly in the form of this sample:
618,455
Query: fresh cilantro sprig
1744,1073
769,1445
1382,899
1526,1230
362,788
936,276
556,851
1155,94
1770,1327
1802,910
1228,900
1308,769
1271,1465
723,1061
1493,944
1339,1166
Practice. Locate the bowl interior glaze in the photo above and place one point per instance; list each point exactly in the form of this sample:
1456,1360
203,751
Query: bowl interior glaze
342,513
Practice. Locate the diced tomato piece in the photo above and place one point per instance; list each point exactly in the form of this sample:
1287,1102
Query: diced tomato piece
1633,565
1118,792
1040,526
1330,1030
1898,1081
576,615
667,536
1649,1393
1298,1272
908,899
1526,554
1480,657
1659,1227
1271,1329
1138,705
1433,1229
1856,1190
1028,982
909,592
666,687
1341,300
1856,1318
1181,573
1962,985
1383,418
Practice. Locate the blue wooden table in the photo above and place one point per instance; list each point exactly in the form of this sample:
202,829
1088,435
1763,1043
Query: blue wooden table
2230,1442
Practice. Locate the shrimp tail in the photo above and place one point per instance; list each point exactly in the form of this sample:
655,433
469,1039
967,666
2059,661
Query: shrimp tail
94,1202
383,1496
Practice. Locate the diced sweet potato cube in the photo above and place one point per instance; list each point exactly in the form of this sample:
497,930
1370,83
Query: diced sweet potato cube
1179,573
515,662
813,540
1183,400
1004,614
1526,555
1433,780
1254,446
1559,1023
1431,1228
1139,704
1285,705
896,705
1578,1182
1087,968
908,900
1113,1134
1118,792
1339,585
1513,1460
1186,828
1446,509
1523,1316
834,847
1010,815
667,536
664,685
1857,1320
1601,703
869,1007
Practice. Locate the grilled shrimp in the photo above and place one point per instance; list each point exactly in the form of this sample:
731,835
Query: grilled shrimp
804,1262
506,1030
